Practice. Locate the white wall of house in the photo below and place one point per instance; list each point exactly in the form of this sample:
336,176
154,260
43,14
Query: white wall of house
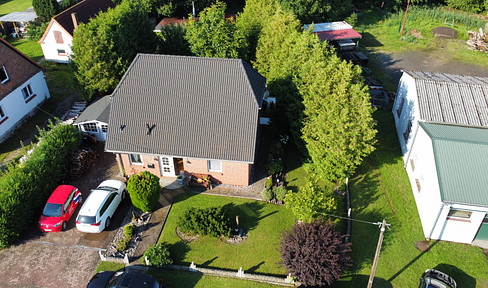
422,174
406,99
459,229
90,127
16,107
52,50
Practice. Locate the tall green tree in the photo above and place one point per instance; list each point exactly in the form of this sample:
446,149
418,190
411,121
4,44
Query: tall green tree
172,40
104,47
318,11
310,203
45,9
213,35
338,127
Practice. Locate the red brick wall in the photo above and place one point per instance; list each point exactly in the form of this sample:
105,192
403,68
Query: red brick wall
233,173
136,168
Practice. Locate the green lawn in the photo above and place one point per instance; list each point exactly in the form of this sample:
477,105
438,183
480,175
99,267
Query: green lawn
30,48
258,254
8,6
381,32
181,279
380,189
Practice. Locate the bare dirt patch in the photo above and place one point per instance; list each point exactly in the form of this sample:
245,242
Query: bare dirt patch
416,33
444,32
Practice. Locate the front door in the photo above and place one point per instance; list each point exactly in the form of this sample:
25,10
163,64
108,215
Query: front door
167,166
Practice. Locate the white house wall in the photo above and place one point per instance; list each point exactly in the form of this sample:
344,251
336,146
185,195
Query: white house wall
100,135
428,199
410,110
16,108
50,47
459,230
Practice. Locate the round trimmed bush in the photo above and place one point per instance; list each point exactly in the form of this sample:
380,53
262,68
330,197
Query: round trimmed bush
144,190
158,255
267,194
280,193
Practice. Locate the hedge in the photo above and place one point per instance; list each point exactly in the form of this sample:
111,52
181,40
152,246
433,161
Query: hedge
25,188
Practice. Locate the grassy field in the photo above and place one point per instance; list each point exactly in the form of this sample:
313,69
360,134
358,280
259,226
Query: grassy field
258,254
382,32
8,6
30,48
380,189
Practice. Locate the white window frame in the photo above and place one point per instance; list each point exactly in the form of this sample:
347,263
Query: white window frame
134,161
2,112
215,167
27,92
88,127
104,128
459,213
6,74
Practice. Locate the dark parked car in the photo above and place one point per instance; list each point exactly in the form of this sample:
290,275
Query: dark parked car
123,278
436,279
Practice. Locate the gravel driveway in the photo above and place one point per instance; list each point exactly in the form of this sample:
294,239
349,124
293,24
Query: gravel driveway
65,259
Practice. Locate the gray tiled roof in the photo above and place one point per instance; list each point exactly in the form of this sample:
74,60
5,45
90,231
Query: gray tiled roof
98,110
455,99
201,108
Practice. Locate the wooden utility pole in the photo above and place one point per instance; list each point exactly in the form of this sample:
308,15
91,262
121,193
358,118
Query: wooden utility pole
376,256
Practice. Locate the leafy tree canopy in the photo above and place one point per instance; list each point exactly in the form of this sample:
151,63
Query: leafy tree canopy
310,203
213,35
318,11
104,47
314,253
45,9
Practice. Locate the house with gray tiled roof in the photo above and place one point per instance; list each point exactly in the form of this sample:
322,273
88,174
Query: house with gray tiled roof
177,114
442,125
58,37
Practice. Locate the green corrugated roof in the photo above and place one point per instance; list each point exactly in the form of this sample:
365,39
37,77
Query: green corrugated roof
461,155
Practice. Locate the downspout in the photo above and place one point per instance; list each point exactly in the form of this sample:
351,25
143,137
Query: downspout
436,219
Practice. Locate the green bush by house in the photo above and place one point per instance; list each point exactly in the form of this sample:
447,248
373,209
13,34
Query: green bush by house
205,221
158,255
24,188
144,190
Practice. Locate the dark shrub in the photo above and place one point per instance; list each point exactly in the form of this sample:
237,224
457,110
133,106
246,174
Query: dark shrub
144,190
267,194
205,221
280,193
314,253
158,255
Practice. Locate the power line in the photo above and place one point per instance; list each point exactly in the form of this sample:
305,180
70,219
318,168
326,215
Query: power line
357,220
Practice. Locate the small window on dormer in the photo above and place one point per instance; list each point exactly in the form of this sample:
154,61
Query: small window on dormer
3,75
59,37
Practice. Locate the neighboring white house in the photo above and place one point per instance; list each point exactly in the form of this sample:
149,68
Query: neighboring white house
94,120
58,37
442,125
22,87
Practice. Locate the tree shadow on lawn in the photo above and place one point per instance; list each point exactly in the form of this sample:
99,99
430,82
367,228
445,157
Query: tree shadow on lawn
361,281
250,213
178,251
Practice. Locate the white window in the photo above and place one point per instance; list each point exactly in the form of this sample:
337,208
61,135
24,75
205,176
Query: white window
90,127
215,165
27,92
2,113
104,127
459,213
3,75
135,159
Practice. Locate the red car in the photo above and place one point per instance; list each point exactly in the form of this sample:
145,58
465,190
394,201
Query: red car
59,208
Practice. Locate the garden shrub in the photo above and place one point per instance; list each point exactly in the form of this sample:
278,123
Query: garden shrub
280,193
315,253
122,244
267,194
26,187
269,183
158,255
128,231
274,165
144,190
205,221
